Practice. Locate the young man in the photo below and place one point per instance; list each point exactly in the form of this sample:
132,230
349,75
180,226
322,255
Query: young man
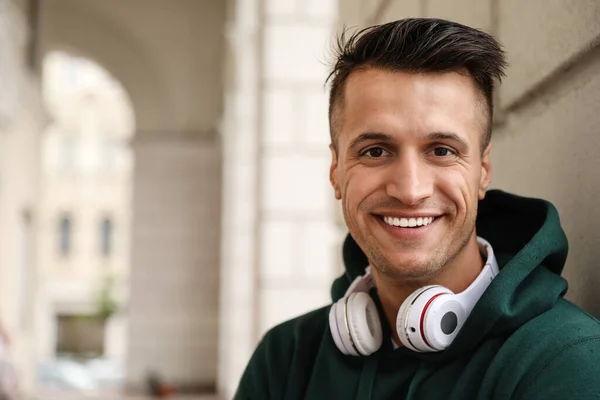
462,297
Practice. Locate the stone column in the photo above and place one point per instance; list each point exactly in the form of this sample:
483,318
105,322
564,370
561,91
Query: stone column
240,169
279,231
173,303
22,119
297,229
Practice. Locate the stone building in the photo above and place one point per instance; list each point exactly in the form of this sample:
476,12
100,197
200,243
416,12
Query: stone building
234,227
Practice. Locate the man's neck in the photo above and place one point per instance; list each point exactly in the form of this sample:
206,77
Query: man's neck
456,276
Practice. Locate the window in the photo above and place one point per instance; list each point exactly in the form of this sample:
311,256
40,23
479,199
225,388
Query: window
71,71
106,237
65,233
108,154
67,152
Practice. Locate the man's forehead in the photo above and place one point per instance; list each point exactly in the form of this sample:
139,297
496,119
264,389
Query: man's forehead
437,98
362,82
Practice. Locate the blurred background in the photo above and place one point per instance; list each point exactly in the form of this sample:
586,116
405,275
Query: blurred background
164,194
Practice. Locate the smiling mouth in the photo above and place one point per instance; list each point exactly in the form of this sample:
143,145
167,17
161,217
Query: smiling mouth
415,222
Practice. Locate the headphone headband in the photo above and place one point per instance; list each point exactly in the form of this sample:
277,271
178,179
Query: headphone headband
362,283
473,293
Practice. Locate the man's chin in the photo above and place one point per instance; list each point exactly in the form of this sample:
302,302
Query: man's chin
406,268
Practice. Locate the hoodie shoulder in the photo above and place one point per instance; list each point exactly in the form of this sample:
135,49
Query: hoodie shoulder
289,345
562,325
563,354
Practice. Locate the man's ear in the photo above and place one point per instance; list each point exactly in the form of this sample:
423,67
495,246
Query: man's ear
486,171
333,173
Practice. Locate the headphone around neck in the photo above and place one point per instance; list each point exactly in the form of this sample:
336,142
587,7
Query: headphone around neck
428,320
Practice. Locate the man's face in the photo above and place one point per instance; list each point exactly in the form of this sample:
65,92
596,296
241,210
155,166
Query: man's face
409,169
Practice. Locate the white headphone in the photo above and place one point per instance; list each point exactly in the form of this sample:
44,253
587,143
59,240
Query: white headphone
428,320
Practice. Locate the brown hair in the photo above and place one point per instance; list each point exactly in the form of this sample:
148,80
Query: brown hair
417,45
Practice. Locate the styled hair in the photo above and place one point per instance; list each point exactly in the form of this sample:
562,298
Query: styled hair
418,45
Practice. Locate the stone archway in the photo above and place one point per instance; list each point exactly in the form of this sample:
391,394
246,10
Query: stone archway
69,26
85,180
177,99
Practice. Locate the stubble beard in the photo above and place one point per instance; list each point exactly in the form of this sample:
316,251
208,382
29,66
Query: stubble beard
431,267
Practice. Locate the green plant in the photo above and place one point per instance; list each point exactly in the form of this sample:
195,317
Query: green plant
107,305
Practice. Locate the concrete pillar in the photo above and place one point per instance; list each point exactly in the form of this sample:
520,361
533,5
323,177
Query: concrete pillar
296,224
12,70
279,232
173,303
22,119
19,227
238,245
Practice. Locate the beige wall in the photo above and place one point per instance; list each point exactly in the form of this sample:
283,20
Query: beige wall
546,136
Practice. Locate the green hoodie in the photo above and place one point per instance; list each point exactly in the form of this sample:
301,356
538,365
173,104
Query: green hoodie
521,341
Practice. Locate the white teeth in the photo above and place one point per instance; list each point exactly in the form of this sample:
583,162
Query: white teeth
408,222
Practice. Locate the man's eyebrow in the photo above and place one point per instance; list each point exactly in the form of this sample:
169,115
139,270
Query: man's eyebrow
448,136
363,137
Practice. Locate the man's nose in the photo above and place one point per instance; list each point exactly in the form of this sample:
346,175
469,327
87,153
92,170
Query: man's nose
410,180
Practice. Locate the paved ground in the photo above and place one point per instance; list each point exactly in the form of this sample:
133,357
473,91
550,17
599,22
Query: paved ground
58,395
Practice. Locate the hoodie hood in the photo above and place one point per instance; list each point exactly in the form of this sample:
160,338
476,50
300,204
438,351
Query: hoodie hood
531,249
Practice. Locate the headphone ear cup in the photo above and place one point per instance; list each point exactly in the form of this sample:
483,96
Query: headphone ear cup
341,336
443,320
364,323
410,322
402,318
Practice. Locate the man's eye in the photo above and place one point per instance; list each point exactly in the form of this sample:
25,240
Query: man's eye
376,152
442,152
